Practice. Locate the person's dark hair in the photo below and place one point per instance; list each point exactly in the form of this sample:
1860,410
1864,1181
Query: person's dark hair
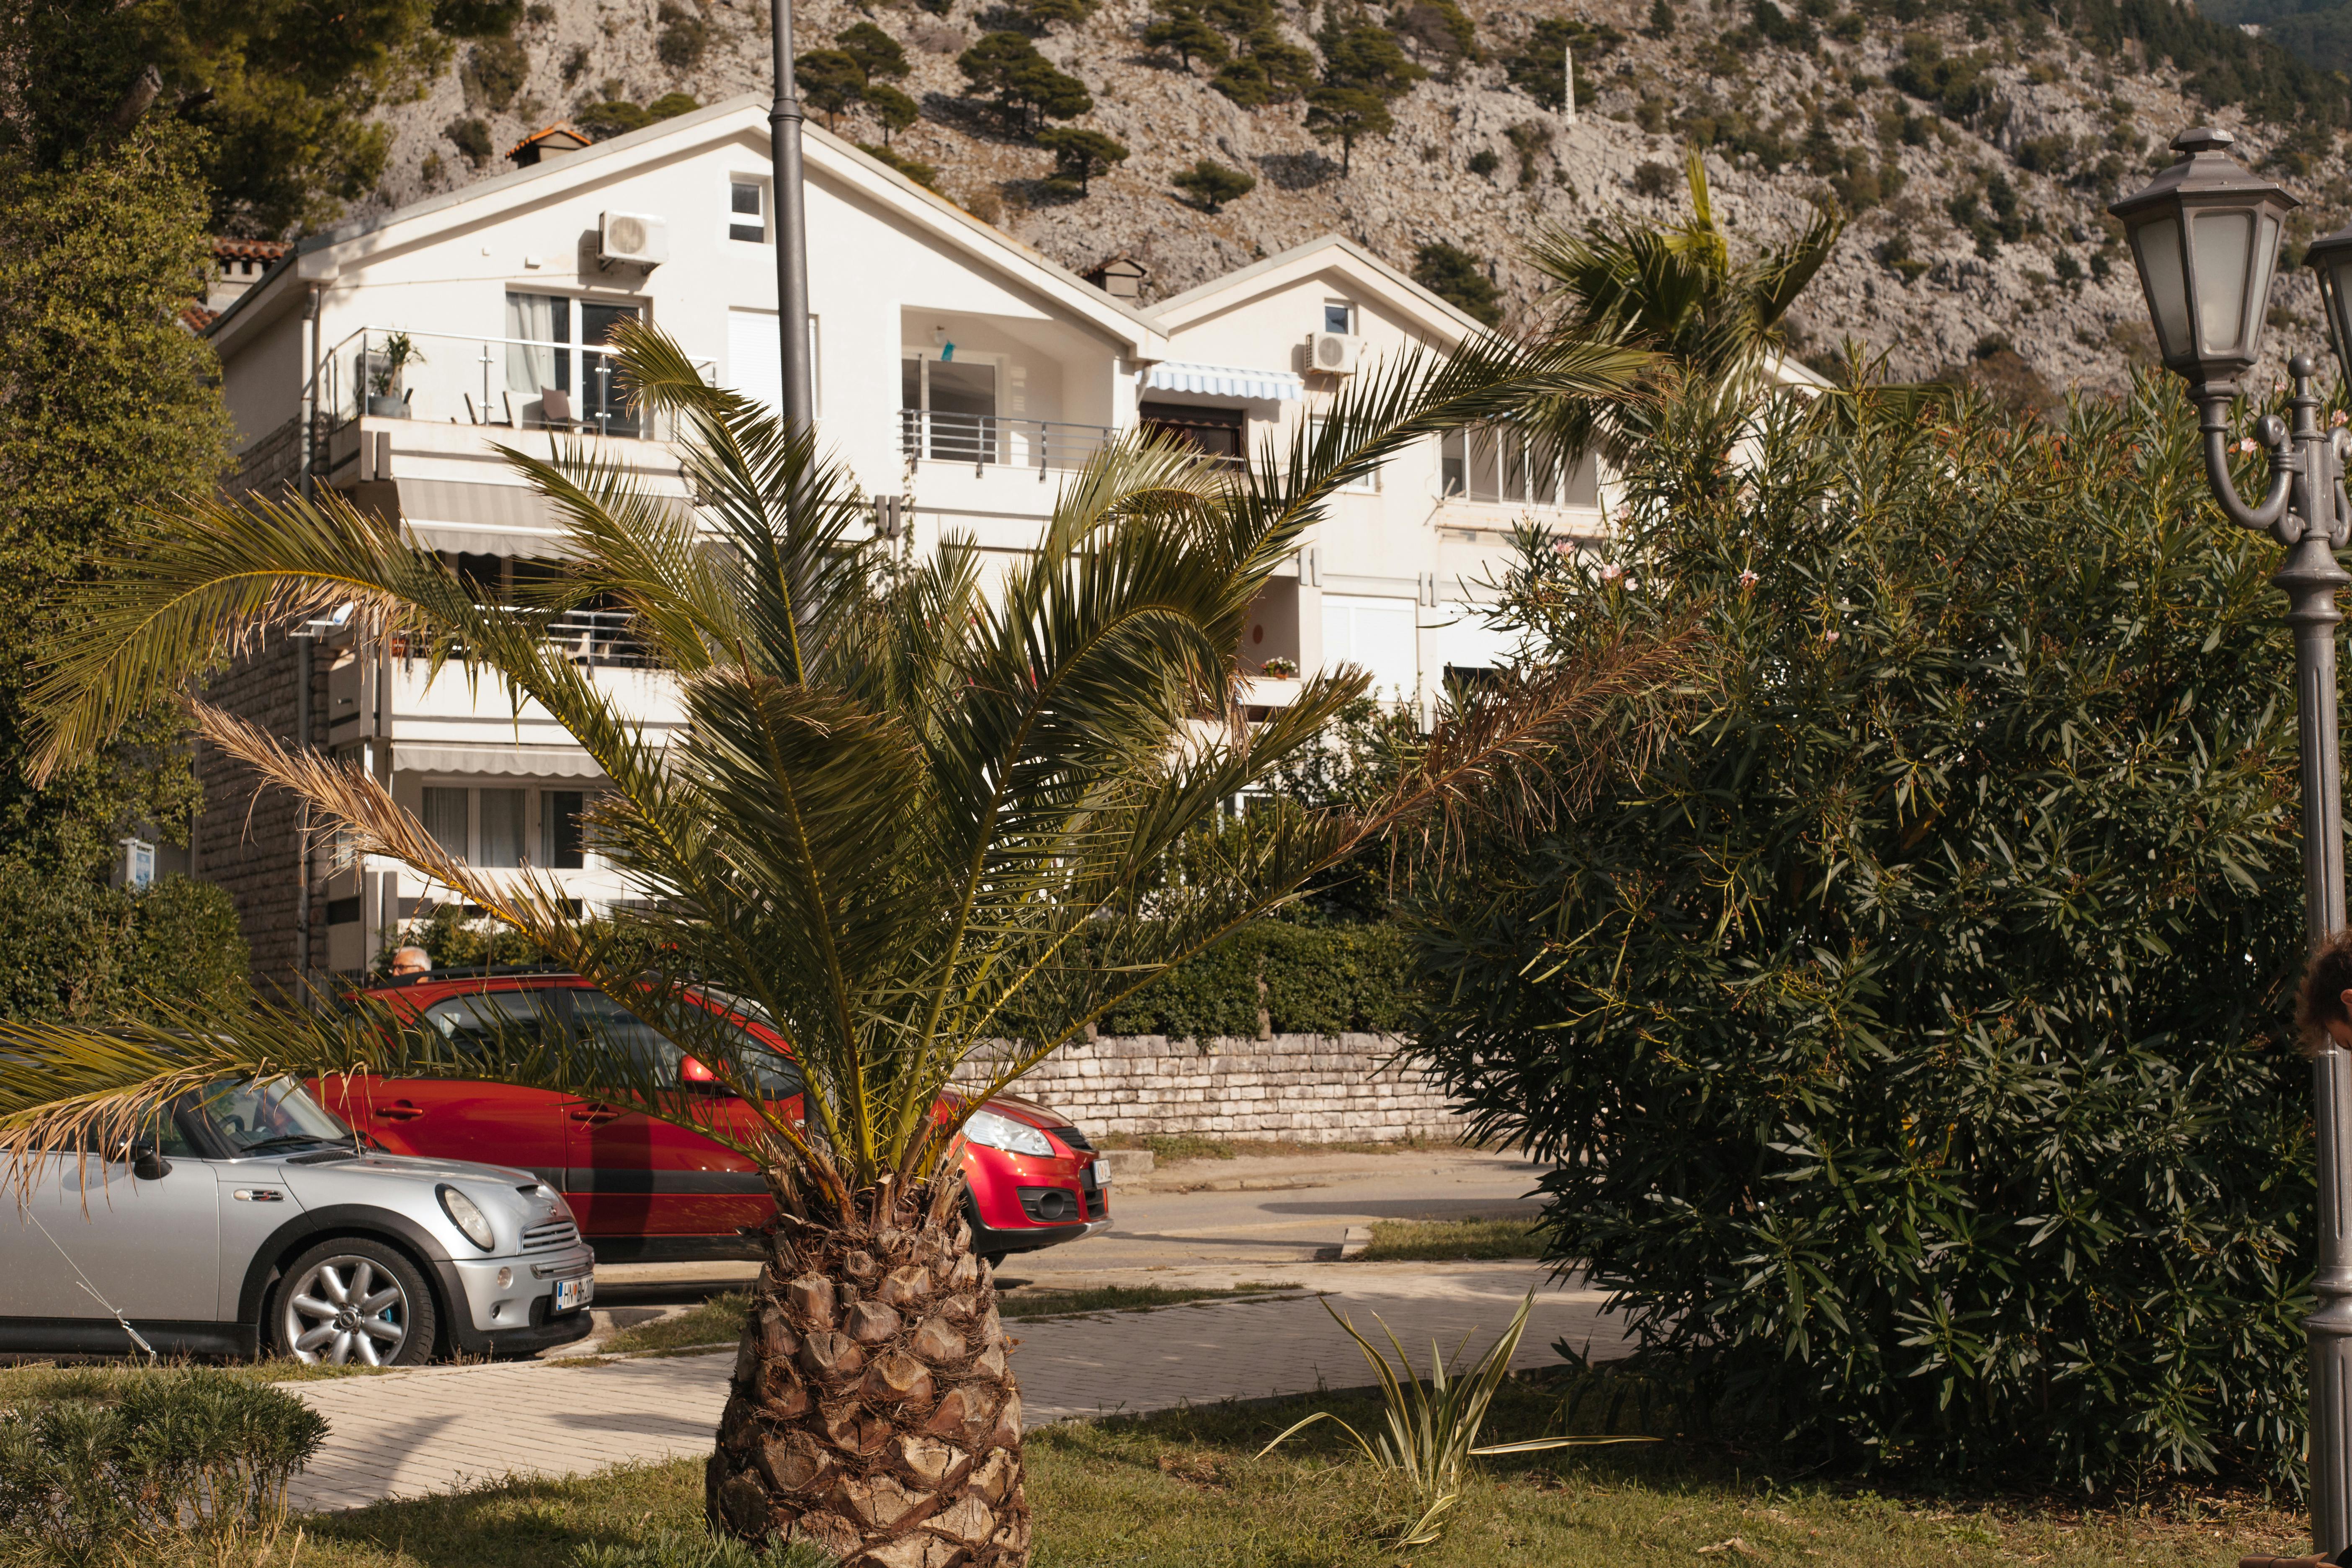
2322,1001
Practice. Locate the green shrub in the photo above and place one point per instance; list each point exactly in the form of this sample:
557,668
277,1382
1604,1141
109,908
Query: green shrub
199,1453
72,949
472,136
1913,1039
684,36
494,72
1319,980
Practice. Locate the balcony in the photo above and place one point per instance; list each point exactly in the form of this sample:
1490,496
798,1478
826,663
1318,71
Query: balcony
511,383
995,440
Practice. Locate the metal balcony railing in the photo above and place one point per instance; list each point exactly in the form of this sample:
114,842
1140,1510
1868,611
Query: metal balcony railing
995,439
520,383
596,639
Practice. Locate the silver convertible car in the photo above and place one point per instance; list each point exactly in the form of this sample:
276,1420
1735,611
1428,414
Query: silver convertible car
248,1220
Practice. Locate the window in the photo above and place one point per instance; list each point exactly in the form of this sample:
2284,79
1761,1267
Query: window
1369,485
1377,635
1218,432
561,845
502,827
445,818
1499,463
1339,316
495,1024
541,388
955,400
747,207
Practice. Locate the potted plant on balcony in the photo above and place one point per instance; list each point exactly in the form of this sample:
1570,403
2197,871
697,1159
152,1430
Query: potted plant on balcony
1279,668
385,400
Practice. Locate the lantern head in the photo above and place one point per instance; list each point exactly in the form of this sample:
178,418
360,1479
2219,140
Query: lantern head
2205,237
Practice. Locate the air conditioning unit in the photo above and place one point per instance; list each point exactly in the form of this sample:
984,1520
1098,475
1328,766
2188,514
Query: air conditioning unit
1334,353
632,240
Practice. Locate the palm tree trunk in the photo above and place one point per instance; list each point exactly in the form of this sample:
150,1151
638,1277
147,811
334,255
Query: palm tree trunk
871,1411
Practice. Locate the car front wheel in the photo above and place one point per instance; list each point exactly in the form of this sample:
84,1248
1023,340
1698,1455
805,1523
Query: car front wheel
353,1300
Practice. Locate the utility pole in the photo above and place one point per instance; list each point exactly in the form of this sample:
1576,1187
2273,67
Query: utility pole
792,230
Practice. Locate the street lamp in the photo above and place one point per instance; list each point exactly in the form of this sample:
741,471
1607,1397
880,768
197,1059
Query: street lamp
785,118
2205,235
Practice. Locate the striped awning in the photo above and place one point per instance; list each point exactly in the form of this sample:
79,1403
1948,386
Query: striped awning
1223,381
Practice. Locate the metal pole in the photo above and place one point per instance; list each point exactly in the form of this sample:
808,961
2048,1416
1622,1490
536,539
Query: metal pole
2310,578
792,230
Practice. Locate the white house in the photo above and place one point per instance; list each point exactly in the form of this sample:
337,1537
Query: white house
958,374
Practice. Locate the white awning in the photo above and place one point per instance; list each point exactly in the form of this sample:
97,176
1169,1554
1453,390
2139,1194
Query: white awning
502,762
1223,381
477,519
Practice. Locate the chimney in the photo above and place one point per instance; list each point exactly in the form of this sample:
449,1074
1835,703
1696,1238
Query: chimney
542,145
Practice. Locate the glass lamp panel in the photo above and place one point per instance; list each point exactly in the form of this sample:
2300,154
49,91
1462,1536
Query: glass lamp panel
2157,243
2339,303
2220,262
2258,297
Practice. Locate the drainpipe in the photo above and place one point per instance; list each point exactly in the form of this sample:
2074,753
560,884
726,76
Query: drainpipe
792,228
303,667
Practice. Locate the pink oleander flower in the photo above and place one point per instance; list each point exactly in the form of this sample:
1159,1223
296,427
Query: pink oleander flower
2247,444
1749,579
1829,637
2339,418
1610,572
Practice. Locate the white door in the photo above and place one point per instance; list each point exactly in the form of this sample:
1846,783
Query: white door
91,1237
1378,636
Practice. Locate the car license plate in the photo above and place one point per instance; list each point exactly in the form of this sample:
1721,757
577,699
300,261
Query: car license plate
572,1294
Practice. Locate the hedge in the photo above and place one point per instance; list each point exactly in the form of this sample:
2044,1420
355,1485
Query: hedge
1319,980
72,949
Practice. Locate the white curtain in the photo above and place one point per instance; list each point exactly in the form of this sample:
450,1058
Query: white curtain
530,316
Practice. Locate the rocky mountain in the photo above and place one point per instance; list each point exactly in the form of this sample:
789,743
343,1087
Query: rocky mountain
1975,146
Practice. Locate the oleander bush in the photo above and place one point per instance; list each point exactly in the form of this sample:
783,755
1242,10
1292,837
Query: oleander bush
179,1454
1913,1037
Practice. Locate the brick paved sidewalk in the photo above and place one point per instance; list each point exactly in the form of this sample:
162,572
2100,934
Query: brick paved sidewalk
410,1434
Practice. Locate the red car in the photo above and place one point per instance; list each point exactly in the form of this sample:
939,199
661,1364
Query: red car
649,1191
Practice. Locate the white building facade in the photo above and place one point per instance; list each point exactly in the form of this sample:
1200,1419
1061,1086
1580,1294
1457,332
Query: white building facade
960,378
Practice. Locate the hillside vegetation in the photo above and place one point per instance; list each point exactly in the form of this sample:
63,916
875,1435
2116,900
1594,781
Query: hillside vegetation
1976,146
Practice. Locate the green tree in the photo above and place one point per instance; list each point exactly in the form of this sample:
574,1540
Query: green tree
1345,114
1538,67
906,808
877,54
1459,278
1213,185
1913,1042
829,81
1181,27
1360,55
1008,67
1439,30
281,89
893,110
1044,14
1080,154
1682,292
106,403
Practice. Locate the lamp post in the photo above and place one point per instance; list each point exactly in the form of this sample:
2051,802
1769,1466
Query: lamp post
784,119
2205,235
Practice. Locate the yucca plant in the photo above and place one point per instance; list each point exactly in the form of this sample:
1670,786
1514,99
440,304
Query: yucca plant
1432,1429
923,827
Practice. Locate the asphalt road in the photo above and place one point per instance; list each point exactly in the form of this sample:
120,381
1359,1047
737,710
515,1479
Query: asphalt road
1202,1222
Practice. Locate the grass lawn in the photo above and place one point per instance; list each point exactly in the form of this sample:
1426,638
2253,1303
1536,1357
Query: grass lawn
1446,1240
1181,1490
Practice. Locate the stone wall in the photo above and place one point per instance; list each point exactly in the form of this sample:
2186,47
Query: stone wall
1314,1088
244,838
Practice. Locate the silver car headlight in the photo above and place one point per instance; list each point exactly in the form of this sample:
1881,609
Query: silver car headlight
467,1217
991,1130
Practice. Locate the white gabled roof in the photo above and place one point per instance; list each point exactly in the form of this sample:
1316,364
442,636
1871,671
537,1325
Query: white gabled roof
324,255
1447,324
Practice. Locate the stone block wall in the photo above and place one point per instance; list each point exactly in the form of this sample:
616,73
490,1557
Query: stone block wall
244,837
1311,1088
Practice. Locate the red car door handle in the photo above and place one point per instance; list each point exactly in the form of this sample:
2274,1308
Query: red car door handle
597,1115
403,1111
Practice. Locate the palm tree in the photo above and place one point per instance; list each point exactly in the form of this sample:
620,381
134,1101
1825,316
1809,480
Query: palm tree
1714,321
923,828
